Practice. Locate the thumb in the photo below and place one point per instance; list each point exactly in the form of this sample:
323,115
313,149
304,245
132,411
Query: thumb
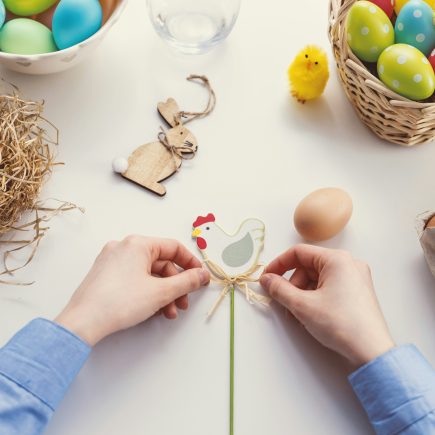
284,292
186,281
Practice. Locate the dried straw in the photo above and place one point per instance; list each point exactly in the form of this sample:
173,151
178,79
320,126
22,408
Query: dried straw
26,162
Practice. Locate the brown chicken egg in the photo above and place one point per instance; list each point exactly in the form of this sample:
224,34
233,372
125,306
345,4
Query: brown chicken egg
431,222
323,214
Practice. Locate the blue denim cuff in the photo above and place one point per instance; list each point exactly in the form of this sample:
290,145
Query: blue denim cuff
396,389
44,358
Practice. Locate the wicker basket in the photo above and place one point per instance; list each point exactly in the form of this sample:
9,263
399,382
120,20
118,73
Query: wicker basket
391,116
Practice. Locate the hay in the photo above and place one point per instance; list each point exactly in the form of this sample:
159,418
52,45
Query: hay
26,162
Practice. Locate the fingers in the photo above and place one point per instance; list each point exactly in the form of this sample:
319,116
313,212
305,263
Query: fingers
294,299
183,283
163,268
166,269
300,256
182,302
172,250
164,249
170,311
300,279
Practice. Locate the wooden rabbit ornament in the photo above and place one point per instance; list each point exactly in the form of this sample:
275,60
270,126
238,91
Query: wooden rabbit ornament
154,162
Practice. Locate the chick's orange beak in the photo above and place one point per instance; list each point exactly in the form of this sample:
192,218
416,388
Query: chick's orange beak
196,232
309,65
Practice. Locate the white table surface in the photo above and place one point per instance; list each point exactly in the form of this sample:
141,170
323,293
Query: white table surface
259,154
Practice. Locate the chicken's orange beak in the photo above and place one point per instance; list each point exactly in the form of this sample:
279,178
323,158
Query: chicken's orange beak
196,232
309,65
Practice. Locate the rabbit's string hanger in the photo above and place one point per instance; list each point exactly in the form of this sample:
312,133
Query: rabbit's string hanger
186,117
184,149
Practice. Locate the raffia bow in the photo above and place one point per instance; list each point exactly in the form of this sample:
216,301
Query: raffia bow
182,151
239,281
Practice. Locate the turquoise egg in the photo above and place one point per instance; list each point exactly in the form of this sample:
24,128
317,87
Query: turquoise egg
369,30
414,26
2,13
25,36
76,20
407,71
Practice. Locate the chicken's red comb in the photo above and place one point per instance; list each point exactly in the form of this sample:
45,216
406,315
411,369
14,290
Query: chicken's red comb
203,220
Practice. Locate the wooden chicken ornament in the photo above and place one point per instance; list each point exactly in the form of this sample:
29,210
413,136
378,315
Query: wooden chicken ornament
231,258
154,162
233,262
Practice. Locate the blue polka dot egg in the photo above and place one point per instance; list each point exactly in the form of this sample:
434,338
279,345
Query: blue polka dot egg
406,70
415,26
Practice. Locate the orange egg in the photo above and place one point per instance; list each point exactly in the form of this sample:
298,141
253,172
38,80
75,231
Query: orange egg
46,17
323,214
431,222
108,7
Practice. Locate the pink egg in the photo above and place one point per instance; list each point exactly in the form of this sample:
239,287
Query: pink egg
108,7
46,17
432,59
386,5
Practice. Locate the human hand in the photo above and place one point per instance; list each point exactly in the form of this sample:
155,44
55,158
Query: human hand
341,311
129,282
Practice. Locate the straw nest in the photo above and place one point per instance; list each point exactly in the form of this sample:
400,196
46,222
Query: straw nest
389,115
26,162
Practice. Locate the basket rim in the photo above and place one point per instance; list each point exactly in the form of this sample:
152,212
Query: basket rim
338,10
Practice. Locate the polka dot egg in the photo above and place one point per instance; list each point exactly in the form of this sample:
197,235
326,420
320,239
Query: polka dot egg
406,71
414,26
398,5
369,30
2,13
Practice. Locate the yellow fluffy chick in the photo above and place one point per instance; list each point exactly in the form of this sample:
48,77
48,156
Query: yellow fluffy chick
308,73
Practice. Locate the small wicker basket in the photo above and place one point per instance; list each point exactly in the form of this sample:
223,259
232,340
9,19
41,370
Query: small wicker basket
390,116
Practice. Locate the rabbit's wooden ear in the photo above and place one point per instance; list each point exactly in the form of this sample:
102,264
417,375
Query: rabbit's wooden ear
169,111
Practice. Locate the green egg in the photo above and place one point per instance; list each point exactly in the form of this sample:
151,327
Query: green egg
25,36
406,70
25,8
369,30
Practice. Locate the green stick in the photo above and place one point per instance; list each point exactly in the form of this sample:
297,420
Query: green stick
232,363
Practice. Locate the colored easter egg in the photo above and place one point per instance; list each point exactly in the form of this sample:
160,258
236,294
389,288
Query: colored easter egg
108,7
369,30
414,26
386,5
2,13
25,36
406,70
432,59
46,17
400,3
26,8
76,20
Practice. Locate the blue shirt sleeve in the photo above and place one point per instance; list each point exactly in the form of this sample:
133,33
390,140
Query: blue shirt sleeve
397,391
36,368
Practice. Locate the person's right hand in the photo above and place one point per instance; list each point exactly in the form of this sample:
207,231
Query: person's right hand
332,295
129,282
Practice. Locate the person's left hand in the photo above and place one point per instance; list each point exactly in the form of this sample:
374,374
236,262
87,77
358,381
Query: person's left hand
129,282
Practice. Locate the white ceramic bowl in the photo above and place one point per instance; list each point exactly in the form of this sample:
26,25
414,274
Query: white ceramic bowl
57,61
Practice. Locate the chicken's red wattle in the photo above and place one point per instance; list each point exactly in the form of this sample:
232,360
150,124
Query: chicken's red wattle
202,244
